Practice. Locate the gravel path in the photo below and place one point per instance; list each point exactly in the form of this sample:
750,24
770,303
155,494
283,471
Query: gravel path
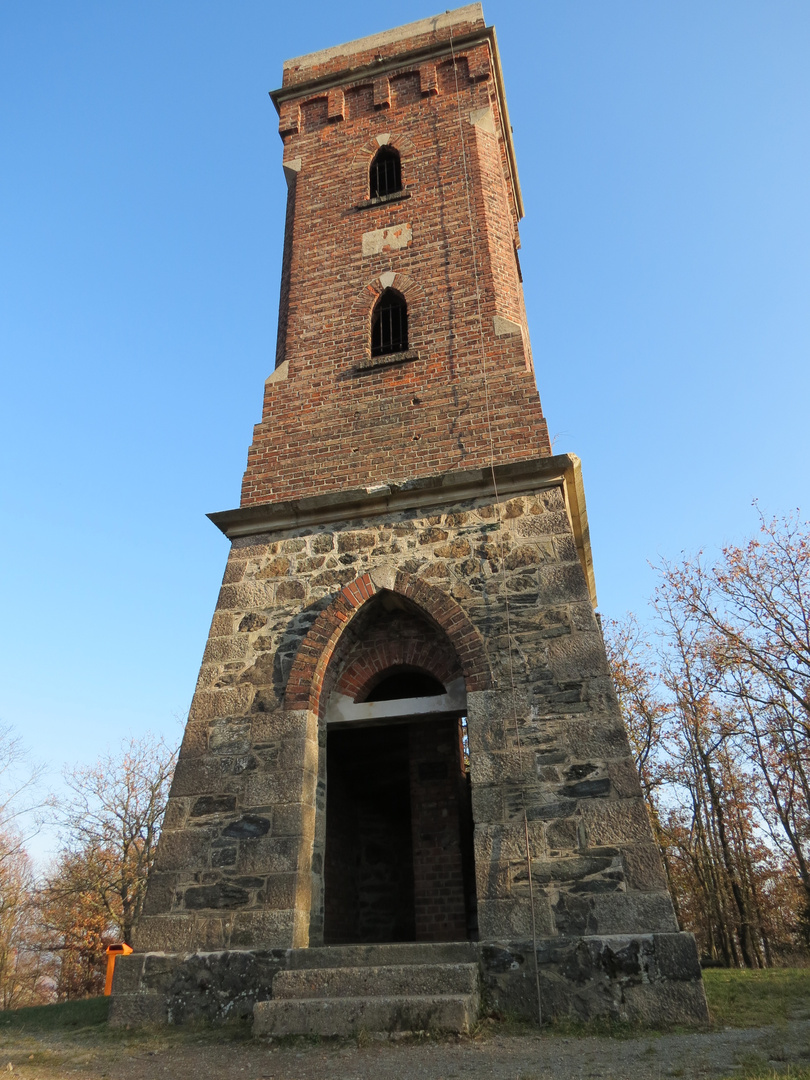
498,1057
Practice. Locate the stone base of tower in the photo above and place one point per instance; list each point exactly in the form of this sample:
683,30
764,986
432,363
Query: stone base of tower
644,978
405,730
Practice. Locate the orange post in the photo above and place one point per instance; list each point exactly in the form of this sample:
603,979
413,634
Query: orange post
112,952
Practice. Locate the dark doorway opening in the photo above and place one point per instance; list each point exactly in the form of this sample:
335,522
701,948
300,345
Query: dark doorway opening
399,857
368,873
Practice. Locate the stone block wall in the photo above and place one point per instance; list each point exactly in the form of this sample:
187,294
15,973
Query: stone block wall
240,863
647,978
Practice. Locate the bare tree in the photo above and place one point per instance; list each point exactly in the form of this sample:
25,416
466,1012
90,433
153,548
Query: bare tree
705,800
754,603
21,800
111,823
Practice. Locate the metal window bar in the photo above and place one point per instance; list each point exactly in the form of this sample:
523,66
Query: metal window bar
389,325
385,175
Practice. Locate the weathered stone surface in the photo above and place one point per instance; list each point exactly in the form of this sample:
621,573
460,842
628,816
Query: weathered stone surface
574,869
132,1010
224,856
127,973
643,868
624,779
654,978
665,1003
188,848
223,649
676,957
617,976
507,842
247,827
294,819
621,821
280,892
270,726
596,737
222,895
230,735
347,1016
615,913
507,920
161,894
229,701
269,788
269,855
265,928
509,766
167,933
195,739
586,789
577,656
212,804
488,804
215,986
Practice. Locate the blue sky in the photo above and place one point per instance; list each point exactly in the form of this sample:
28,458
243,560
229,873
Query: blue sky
664,155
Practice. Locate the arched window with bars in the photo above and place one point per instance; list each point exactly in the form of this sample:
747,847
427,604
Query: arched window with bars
389,324
385,174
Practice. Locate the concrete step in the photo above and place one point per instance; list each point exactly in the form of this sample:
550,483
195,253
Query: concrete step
391,980
428,952
349,1015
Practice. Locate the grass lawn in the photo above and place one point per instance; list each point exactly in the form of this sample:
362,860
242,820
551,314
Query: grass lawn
755,998
65,1015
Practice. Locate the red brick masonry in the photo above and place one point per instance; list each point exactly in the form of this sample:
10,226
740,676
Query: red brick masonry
464,394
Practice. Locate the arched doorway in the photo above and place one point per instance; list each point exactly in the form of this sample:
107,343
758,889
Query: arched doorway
398,861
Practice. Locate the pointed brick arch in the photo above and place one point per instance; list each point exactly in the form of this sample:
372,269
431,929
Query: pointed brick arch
367,297
306,681
364,155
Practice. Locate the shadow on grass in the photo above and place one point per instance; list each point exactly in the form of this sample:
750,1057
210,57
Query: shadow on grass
65,1015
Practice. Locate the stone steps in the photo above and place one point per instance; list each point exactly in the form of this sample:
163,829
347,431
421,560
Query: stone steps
373,988
347,1016
411,980
428,952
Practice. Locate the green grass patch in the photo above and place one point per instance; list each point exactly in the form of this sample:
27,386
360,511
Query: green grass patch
92,1012
606,1027
791,1072
755,998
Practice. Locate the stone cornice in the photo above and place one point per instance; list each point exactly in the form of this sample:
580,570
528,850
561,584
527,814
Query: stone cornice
425,493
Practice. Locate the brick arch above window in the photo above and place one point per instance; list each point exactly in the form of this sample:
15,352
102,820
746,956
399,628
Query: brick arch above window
308,677
364,301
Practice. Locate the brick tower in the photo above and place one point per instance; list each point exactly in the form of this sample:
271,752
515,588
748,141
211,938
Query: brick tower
404,732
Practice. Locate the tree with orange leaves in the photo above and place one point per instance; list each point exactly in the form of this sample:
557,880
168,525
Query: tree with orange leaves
110,824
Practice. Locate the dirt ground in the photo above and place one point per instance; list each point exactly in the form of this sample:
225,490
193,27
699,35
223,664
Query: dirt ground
186,1056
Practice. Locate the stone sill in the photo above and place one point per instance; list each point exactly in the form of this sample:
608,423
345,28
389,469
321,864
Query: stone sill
372,363
381,200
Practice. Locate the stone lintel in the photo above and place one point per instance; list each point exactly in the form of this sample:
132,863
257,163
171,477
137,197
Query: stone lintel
445,489
342,710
